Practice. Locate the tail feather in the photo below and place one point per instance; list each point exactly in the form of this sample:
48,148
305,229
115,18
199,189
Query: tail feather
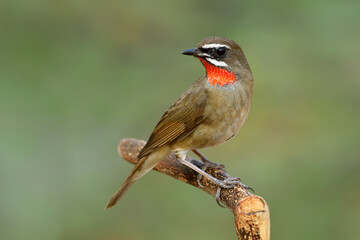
118,195
144,165
135,174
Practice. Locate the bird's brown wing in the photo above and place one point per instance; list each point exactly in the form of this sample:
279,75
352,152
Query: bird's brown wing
180,120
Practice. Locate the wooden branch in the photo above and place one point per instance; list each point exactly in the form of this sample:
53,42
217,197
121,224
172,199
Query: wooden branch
251,212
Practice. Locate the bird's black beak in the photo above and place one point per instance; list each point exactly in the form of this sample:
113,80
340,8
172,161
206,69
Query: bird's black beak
191,52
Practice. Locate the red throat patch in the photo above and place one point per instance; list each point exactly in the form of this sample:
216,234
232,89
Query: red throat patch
218,76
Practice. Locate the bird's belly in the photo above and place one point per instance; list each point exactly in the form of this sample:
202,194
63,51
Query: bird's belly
217,131
221,132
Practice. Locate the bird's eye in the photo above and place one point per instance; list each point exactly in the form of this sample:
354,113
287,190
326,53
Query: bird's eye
221,51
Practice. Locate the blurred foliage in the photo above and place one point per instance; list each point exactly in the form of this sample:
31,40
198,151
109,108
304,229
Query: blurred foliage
78,76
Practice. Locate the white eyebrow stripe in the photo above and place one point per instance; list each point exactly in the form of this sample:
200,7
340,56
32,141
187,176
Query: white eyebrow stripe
215,45
216,63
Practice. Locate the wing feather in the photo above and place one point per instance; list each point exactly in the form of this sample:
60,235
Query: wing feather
180,120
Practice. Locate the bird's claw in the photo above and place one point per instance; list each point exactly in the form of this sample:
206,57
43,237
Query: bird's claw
230,182
217,197
199,176
247,187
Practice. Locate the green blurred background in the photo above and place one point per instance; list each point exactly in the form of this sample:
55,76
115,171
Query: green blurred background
78,76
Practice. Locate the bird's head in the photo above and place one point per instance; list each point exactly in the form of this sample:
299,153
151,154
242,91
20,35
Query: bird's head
222,58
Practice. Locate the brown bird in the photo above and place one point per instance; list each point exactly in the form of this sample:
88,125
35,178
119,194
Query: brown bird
209,113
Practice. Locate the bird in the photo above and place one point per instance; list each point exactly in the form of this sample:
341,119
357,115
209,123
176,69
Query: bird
210,112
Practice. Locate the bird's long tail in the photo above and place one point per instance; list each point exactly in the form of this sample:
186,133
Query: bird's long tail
144,165
139,170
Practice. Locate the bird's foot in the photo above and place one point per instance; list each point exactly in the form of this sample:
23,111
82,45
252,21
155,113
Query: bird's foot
233,182
230,182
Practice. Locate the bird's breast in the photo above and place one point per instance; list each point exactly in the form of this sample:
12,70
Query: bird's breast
226,112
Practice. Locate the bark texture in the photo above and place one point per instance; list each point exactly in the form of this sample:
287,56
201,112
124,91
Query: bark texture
251,212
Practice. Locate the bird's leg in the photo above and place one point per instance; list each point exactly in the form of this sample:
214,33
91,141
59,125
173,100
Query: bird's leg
227,183
207,163
204,159
219,183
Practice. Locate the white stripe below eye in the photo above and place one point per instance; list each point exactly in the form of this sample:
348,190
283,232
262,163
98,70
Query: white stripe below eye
216,63
215,45
203,55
